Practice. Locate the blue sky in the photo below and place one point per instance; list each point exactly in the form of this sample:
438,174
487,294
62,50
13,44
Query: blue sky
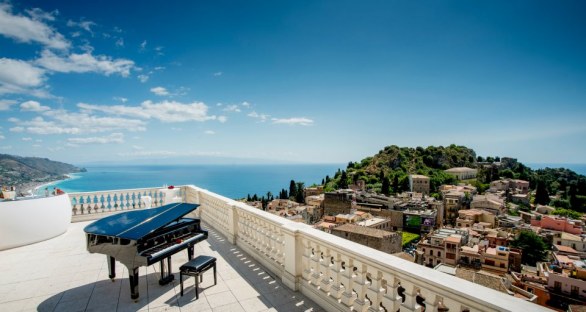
300,81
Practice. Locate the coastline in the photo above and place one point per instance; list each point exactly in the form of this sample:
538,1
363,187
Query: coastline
33,187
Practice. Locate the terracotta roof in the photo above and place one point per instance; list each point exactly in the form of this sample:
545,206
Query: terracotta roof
567,249
454,239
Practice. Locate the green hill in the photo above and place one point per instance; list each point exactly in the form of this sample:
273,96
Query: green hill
17,170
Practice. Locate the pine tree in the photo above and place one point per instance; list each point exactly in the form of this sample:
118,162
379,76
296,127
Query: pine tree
541,194
343,180
385,189
292,189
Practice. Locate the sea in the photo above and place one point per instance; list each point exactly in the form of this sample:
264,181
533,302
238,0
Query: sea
232,181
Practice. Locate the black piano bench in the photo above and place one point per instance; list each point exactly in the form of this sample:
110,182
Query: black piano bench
195,268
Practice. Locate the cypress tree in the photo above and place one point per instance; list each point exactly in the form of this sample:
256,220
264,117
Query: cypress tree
292,189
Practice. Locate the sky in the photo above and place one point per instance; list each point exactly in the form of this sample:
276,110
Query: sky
291,81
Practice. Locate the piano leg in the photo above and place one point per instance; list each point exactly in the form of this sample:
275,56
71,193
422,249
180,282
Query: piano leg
166,276
133,278
190,252
111,267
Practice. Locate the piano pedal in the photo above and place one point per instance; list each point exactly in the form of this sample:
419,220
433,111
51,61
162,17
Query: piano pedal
167,279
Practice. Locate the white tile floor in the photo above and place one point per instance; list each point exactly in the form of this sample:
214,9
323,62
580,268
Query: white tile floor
60,275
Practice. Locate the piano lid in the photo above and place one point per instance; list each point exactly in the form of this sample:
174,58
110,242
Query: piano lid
137,224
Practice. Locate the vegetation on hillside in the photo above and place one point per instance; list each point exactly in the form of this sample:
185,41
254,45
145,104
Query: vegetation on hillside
16,170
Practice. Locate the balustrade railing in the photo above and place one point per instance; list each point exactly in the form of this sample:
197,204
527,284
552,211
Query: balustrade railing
85,203
338,274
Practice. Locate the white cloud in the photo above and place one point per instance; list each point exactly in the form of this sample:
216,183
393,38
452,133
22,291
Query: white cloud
83,63
6,147
33,106
40,15
245,104
112,138
26,29
160,91
222,119
143,78
36,145
260,117
232,108
16,129
5,104
293,121
121,99
210,132
165,111
143,45
218,74
2,137
136,147
159,50
20,74
86,25
27,139
120,42
159,68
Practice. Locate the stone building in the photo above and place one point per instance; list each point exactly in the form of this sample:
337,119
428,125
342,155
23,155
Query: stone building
463,173
338,202
419,183
385,241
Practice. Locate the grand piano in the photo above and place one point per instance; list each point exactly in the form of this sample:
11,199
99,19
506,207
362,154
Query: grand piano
144,237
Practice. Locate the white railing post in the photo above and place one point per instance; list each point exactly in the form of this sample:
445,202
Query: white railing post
293,252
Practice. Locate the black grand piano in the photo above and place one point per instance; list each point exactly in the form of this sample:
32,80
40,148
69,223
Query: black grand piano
144,237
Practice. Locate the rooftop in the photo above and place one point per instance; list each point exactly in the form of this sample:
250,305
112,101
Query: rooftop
60,275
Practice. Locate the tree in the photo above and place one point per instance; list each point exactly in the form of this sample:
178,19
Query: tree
490,159
479,159
497,159
533,246
299,196
343,180
541,194
292,189
386,186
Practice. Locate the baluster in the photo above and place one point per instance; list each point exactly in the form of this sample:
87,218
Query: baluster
348,296
95,201
375,290
410,302
326,271
391,299
74,202
337,271
306,259
316,258
360,286
89,204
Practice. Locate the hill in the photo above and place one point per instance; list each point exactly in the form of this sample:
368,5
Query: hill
17,170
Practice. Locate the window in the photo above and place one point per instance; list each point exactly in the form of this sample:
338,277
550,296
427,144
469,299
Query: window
431,252
575,290
557,285
439,253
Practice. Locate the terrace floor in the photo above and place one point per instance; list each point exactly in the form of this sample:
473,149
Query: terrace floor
60,275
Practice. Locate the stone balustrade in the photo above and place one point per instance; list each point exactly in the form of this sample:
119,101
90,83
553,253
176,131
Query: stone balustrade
100,202
338,274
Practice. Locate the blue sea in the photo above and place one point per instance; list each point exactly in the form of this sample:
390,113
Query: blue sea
232,181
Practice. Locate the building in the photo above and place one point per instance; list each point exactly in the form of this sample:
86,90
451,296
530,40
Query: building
385,241
419,183
312,191
463,173
442,246
453,201
340,201
468,217
559,224
569,240
488,202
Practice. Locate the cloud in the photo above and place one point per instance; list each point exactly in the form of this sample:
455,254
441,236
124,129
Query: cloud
6,147
159,50
232,108
260,117
84,63
20,73
40,15
136,147
222,119
121,99
210,132
16,129
293,121
27,139
30,29
143,45
2,137
160,91
33,106
245,104
165,111
112,138
5,104
217,74
85,25
120,42
143,78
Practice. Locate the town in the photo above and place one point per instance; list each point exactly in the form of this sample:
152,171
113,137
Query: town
499,237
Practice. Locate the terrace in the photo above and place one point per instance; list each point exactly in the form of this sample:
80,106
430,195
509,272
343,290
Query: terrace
265,263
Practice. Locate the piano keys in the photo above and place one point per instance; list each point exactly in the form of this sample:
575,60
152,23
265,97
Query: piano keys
144,237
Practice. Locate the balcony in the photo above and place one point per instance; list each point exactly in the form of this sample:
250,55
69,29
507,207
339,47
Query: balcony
265,263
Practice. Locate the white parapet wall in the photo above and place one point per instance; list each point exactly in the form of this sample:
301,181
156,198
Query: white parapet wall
339,274
30,220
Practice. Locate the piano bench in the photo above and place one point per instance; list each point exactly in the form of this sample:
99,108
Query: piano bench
195,268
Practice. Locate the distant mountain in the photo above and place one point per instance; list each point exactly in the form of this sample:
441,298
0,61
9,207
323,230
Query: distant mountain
17,170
